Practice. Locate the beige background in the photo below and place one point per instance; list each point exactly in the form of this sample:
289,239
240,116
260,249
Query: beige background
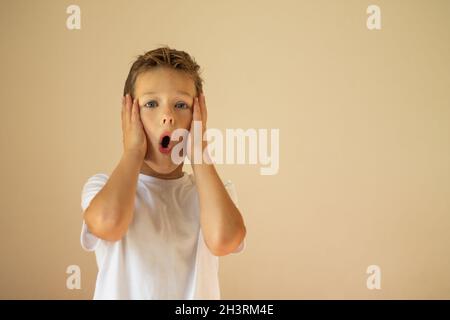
364,119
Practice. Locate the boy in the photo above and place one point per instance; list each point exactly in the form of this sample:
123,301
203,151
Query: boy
157,231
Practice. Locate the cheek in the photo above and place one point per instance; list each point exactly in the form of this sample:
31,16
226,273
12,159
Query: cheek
146,122
149,125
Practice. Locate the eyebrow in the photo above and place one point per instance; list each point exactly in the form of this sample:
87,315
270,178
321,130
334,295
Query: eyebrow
179,91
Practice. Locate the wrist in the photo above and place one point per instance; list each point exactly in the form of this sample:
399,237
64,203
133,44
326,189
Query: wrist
133,156
202,167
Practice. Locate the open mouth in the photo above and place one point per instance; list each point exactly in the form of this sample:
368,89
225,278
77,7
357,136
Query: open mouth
164,143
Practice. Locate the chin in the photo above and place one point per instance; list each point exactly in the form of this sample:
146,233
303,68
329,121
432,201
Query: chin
162,167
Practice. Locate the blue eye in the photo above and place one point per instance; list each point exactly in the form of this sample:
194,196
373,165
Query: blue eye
152,104
184,105
147,104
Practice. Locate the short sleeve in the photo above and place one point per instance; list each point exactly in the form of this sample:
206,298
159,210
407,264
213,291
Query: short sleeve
93,185
229,186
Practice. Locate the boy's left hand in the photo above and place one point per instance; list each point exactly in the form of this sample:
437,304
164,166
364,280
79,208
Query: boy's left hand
199,118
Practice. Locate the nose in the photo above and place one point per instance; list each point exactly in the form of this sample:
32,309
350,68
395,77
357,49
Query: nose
167,118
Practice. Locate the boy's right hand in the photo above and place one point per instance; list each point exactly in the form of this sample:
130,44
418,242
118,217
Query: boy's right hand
134,138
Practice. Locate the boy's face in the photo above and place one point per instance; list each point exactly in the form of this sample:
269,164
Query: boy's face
165,98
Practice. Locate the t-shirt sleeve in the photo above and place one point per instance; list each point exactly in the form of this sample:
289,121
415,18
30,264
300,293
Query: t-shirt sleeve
229,186
93,185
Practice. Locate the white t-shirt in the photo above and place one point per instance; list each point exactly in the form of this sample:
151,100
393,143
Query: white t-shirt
163,254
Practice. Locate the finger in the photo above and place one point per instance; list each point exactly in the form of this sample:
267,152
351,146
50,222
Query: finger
136,110
123,106
133,111
127,108
122,110
203,108
196,116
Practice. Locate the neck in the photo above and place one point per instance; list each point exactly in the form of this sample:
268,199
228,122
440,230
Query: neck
175,174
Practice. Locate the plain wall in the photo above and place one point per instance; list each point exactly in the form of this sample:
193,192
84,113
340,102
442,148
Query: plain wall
364,120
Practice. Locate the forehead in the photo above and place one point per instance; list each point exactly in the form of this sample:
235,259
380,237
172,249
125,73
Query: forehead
164,80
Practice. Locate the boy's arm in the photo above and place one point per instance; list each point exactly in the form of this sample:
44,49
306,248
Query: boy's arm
221,222
111,210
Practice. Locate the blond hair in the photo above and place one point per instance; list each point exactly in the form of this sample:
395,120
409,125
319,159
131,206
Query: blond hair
164,57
